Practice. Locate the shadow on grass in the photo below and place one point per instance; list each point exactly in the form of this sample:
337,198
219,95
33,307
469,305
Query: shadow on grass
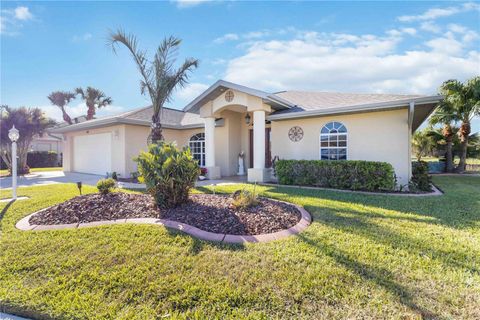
380,276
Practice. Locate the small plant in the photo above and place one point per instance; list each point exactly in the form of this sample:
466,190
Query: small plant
243,199
421,180
106,186
203,171
169,173
115,175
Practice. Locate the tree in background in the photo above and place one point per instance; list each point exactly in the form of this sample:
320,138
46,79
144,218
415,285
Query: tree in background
94,99
29,122
445,115
159,76
464,101
422,143
61,99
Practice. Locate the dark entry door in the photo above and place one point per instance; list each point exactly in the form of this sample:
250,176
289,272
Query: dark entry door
268,151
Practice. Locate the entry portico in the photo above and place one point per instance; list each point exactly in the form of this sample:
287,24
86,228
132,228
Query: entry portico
237,105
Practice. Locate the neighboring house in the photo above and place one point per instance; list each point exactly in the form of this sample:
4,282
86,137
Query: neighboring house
47,142
228,118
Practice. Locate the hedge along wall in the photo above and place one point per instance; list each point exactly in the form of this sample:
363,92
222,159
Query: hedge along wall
42,159
353,175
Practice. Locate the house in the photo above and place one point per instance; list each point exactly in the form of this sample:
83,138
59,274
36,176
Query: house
229,118
47,142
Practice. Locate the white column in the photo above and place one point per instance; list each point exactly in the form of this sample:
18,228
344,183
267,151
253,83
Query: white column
14,170
210,142
259,139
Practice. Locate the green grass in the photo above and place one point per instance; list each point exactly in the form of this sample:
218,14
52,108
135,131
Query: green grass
5,171
364,256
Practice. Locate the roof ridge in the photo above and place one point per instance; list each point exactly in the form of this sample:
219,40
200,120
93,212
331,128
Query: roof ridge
353,93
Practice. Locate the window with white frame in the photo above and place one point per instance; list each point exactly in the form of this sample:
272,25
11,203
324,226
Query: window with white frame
197,147
333,141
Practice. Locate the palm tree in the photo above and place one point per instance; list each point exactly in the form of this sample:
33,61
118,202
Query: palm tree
422,143
61,99
445,115
159,76
94,99
465,101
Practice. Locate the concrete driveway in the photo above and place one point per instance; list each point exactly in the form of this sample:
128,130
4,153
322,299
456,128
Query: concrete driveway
50,177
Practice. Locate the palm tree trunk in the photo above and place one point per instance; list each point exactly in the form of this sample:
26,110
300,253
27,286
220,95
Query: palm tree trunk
463,134
90,112
448,155
156,134
66,117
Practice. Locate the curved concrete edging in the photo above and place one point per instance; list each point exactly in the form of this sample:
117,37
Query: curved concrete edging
305,220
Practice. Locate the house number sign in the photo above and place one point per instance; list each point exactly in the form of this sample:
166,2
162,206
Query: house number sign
295,134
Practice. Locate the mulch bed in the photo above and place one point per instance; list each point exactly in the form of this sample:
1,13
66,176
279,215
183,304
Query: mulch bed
214,213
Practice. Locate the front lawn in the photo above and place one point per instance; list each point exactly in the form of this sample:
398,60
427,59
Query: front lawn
364,256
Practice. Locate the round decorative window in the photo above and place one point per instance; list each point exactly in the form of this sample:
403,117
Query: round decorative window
229,96
295,134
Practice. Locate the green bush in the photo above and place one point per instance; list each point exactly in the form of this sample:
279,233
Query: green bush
353,175
243,199
42,159
421,180
106,186
168,172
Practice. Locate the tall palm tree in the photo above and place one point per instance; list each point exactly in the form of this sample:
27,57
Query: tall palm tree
465,100
94,99
445,115
159,76
61,99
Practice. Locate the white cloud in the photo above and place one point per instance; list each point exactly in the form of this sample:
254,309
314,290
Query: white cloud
11,20
353,63
435,13
23,13
189,3
80,110
227,37
84,37
190,92
430,27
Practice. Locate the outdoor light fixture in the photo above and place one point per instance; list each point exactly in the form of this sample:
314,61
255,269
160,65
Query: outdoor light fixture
14,135
79,186
247,119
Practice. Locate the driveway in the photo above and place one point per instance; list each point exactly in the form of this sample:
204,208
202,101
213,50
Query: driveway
50,177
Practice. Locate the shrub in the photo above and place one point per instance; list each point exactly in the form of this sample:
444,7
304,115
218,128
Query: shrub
203,171
105,186
243,199
169,173
353,175
42,159
421,180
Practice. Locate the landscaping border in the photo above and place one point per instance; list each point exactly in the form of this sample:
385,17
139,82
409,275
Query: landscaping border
305,220
436,191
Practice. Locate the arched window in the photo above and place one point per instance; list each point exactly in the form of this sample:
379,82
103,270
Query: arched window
333,141
197,147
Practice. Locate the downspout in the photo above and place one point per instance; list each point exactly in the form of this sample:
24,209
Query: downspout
411,112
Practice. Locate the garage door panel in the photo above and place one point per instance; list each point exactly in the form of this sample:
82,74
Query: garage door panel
92,153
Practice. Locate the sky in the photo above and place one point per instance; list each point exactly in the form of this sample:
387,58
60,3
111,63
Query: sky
374,47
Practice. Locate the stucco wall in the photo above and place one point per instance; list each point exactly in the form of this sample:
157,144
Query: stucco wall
374,136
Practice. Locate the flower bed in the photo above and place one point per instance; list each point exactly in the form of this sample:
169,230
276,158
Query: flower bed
213,213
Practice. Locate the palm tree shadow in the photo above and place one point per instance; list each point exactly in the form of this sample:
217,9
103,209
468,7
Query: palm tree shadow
4,211
380,276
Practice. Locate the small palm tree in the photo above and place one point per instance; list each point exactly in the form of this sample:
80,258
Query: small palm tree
445,115
464,99
422,143
94,99
159,76
61,99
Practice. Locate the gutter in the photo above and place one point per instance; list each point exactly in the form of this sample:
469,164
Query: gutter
371,107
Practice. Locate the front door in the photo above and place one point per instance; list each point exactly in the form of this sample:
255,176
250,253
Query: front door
268,151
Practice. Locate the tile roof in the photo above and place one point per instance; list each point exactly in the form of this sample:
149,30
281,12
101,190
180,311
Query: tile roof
309,100
168,116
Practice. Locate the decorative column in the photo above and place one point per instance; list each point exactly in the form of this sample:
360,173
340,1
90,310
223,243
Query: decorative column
213,172
257,173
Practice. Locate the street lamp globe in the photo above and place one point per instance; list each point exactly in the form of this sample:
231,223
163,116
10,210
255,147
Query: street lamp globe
13,134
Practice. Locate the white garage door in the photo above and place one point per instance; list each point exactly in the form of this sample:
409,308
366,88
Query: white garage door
92,153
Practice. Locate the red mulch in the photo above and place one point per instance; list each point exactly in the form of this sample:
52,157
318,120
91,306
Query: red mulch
208,212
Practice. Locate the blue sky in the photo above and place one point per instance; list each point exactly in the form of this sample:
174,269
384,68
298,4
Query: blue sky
398,47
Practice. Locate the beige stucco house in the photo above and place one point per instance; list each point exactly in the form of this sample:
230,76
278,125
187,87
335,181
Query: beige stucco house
228,119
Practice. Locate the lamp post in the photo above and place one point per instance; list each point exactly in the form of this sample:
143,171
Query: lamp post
13,135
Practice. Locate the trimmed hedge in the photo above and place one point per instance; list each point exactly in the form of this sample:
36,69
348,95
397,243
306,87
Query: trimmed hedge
353,175
421,180
42,159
